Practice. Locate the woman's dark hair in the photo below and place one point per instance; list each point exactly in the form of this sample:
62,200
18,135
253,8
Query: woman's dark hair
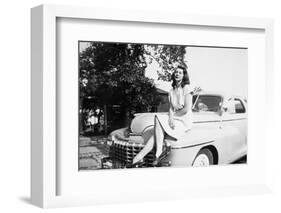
185,79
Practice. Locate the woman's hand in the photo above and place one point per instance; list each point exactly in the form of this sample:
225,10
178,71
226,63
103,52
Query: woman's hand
196,90
171,122
178,107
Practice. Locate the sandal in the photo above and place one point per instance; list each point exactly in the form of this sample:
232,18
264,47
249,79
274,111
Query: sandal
163,155
138,164
157,160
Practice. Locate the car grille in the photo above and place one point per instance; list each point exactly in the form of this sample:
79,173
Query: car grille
125,152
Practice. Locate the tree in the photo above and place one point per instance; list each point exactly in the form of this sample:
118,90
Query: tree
167,57
114,73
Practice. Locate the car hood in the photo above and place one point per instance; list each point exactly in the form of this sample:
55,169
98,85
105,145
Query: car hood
143,121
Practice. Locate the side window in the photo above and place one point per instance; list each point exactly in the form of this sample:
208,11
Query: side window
206,103
239,106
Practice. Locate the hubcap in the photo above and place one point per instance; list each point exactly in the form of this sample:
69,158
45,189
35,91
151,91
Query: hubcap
201,160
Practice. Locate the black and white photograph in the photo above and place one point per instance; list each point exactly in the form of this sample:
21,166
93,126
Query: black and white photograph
161,105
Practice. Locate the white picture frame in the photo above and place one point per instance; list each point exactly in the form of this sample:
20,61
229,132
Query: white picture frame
44,154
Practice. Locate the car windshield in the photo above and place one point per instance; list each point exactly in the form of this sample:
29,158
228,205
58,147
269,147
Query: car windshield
206,103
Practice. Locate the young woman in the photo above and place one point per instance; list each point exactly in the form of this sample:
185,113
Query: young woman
178,120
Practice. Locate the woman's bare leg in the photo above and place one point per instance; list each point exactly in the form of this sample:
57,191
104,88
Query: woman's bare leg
159,137
146,149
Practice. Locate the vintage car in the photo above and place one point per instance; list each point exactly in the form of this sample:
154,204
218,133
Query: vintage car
218,135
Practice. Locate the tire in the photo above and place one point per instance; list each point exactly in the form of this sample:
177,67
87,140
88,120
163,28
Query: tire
203,158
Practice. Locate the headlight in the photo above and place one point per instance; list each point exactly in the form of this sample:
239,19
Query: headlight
110,137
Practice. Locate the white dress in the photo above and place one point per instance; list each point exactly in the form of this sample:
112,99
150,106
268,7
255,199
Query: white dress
182,123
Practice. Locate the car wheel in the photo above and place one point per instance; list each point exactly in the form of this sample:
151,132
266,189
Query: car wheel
203,158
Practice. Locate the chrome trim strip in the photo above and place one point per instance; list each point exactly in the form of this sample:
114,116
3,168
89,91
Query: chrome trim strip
189,146
237,119
150,126
214,121
199,122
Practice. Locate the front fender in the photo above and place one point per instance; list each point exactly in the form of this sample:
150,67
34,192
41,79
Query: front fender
197,136
143,121
184,150
121,134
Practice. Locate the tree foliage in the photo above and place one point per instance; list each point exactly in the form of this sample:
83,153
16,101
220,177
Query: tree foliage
167,57
114,73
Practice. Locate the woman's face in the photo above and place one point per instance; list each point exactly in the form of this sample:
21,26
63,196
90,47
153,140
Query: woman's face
178,74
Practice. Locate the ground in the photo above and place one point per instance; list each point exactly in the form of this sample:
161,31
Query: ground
93,149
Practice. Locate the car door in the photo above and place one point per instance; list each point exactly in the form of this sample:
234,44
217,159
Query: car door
234,124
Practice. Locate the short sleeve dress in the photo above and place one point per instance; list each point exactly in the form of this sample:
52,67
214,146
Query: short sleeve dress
182,123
